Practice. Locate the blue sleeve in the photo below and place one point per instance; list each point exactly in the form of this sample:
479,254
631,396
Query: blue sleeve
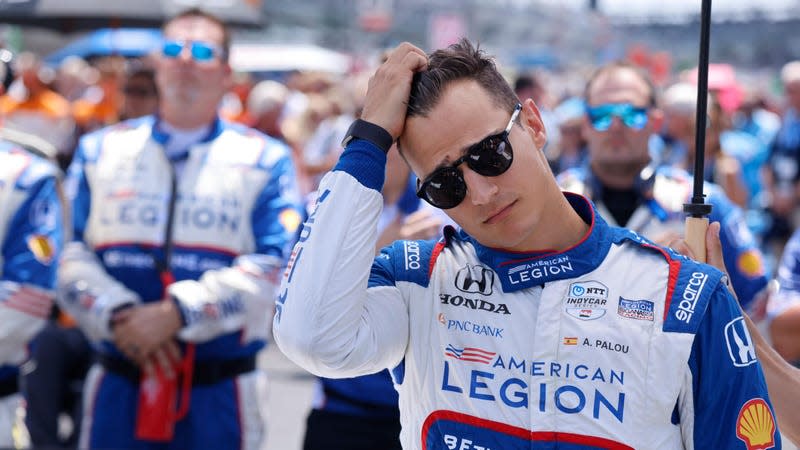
789,269
276,215
409,202
731,405
743,259
34,239
77,191
404,261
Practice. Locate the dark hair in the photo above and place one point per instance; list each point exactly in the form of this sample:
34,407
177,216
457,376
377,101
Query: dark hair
526,81
199,13
621,65
460,61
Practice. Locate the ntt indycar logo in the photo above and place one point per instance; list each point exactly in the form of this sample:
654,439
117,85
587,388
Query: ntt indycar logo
598,392
586,300
690,295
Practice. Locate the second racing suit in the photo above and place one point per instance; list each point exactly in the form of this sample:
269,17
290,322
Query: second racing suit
31,234
661,197
613,343
221,230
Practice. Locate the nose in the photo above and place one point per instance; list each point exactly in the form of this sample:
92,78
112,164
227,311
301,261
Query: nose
616,123
480,189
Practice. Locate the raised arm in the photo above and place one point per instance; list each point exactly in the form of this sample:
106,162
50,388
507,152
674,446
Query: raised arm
335,316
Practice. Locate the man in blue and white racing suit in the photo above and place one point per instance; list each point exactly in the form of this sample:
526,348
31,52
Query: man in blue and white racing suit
31,234
182,223
536,325
631,191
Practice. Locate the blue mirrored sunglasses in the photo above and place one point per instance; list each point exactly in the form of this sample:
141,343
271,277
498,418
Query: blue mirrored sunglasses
200,51
601,116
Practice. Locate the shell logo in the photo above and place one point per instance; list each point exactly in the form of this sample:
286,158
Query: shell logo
756,425
750,263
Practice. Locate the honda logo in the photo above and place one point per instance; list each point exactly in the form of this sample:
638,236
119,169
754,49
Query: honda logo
740,346
475,279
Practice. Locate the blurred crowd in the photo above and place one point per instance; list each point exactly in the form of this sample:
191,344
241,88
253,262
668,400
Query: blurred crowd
752,151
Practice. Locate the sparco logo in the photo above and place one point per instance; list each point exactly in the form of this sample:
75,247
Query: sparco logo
475,279
471,303
690,295
412,255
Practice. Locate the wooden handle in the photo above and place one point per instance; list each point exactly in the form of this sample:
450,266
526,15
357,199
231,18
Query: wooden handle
695,236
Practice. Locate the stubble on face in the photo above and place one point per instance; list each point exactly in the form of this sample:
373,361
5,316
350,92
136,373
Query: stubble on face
191,84
619,153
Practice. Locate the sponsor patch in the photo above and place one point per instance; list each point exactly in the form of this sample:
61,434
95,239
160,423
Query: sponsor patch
474,304
475,279
740,346
290,219
750,264
586,300
42,248
473,354
755,425
636,309
412,258
691,293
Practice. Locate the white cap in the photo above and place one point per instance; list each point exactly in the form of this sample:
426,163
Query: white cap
680,98
266,96
790,72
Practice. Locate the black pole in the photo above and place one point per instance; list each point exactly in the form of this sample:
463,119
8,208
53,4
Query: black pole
698,207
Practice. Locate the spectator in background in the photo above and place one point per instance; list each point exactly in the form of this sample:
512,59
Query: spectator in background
531,86
784,308
182,224
678,149
628,188
32,107
100,104
73,77
572,145
754,118
139,92
265,105
678,105
31,238
782,172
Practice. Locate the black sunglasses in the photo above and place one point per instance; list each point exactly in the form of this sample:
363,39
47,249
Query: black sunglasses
445,188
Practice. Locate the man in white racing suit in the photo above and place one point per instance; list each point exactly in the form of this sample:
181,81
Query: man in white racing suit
31,234
534,326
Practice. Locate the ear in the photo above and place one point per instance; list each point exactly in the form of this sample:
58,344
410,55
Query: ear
532,120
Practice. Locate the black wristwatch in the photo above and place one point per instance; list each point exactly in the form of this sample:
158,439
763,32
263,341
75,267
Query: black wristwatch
362,129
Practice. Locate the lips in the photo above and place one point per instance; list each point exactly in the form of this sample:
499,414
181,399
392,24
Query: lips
500,214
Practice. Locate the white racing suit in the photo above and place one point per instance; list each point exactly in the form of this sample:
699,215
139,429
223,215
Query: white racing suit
222,230
31,234
614,343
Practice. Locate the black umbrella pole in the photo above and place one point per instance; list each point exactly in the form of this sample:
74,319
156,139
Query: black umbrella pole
698,210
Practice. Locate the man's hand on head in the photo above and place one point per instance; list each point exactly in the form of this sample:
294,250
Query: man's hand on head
389,88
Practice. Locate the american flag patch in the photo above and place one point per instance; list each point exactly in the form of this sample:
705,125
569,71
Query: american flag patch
26,298
473,354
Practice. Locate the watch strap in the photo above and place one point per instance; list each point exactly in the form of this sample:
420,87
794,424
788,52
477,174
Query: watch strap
377,135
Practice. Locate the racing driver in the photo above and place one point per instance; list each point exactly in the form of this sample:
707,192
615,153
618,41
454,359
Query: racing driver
536,325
